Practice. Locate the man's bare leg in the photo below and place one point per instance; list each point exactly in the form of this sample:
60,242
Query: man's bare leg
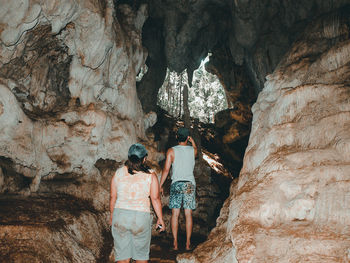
189,225
141,261
124,261
175,225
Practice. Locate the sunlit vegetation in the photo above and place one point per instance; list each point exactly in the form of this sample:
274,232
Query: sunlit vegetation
205,98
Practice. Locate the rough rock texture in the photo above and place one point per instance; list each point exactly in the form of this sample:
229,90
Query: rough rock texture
153,40
68,113
68,110
233,124
291,202
67,84
246,41
55,229
256,33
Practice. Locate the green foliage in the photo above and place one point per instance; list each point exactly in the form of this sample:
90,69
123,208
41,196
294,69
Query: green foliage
206,96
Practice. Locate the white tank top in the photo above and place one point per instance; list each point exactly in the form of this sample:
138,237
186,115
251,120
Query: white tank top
183,165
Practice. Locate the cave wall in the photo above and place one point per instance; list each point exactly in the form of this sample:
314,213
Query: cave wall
256,33
68,90
153,40
69,110
68,113
246,41
291,201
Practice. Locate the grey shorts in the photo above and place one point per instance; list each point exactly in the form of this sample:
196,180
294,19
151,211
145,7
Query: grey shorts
131,232
182,193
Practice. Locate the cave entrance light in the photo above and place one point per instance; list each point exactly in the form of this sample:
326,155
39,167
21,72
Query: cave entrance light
206,96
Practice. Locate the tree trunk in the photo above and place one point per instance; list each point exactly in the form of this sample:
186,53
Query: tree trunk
174,110
197,138
168,91
186,109
180,99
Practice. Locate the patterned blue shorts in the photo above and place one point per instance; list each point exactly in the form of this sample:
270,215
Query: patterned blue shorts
182,193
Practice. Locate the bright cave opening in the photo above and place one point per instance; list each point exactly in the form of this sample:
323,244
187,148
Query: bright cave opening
206,95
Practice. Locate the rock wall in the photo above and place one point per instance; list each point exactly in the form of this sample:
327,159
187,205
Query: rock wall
245,40
68,113
291,202
67,87
55,228
256,34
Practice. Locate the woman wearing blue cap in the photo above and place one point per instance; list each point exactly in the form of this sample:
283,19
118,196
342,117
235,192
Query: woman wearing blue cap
132,187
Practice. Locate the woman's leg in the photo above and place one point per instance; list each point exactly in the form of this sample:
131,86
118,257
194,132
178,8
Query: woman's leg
142,233
121,235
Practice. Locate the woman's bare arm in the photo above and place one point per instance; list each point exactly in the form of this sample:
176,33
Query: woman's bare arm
155,198
113,198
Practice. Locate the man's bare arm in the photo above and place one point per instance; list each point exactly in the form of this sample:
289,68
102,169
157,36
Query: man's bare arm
193,145
169,160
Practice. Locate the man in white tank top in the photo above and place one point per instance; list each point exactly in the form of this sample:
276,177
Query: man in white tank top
183,185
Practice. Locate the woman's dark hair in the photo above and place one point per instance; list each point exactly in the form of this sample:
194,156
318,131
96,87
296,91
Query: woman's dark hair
135,164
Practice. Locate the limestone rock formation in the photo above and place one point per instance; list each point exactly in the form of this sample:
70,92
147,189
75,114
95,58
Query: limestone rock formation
291,202
67,84
245,40
255,34
68,113
69,110
56,228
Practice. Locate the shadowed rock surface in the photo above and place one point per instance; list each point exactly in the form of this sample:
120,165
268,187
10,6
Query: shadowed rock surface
51,228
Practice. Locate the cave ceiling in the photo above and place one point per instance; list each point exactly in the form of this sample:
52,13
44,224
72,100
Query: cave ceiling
257,34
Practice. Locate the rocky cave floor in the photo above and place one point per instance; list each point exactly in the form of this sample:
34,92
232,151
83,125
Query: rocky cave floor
161,247
55,212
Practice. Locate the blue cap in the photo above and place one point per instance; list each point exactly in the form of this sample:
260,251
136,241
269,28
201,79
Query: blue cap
138,150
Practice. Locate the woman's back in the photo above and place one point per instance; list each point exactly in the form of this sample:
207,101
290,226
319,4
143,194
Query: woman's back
133,190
